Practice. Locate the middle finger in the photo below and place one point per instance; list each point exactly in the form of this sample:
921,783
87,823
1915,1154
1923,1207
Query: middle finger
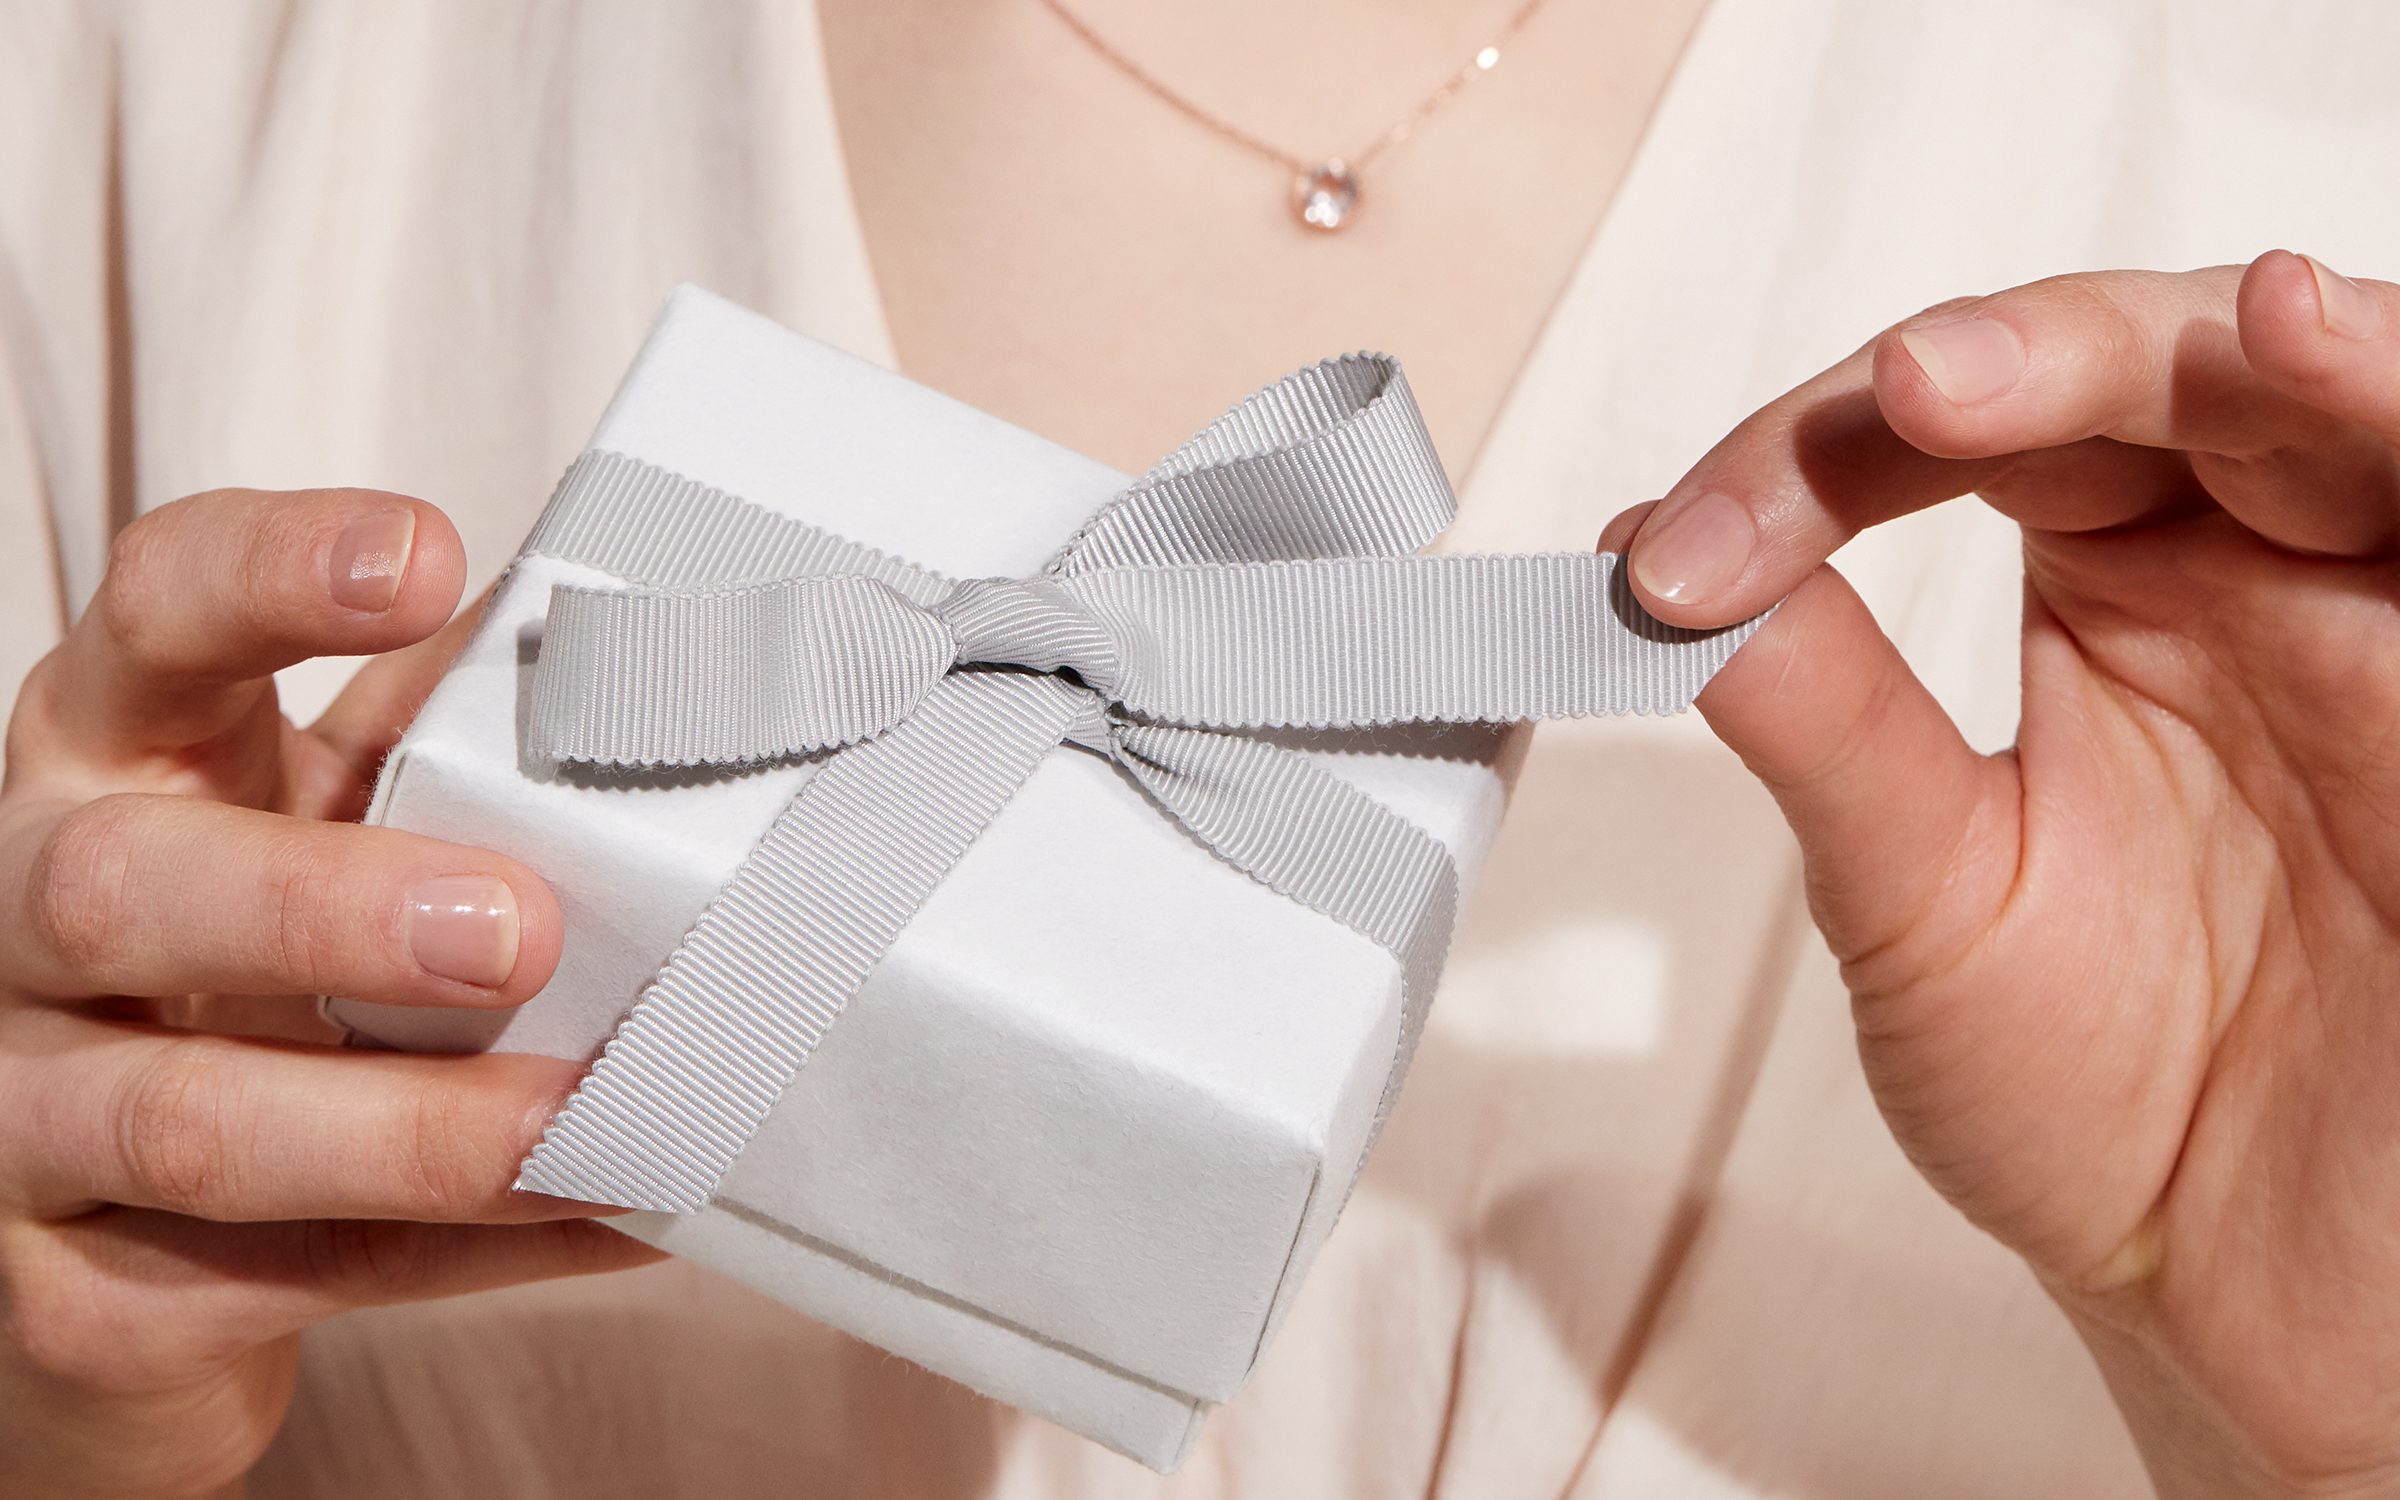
2144,359
156,895
2077,404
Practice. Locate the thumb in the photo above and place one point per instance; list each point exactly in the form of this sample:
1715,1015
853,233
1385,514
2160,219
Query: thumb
1885,795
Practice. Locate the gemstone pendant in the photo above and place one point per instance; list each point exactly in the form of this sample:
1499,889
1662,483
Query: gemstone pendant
1325,196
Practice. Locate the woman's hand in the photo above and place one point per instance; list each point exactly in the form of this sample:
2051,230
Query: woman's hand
176,1201
2129,994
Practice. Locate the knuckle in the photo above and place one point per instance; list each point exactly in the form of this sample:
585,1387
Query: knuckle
304,931
2100,313
456,1164
79,885
142,564
370,1255
172,1122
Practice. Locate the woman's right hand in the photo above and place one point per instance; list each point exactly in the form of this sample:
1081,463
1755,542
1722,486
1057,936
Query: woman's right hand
177,863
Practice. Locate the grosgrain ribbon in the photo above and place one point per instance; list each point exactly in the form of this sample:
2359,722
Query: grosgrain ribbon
1259,578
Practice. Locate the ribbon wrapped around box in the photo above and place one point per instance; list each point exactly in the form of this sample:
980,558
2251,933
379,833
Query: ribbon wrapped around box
1012,972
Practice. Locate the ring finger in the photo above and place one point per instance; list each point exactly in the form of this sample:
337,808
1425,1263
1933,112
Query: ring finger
236,1129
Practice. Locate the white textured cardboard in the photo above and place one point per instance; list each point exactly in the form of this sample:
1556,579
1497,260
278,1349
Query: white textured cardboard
1079,1135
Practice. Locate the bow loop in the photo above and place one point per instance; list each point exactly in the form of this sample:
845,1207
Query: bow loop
1330,461
729,676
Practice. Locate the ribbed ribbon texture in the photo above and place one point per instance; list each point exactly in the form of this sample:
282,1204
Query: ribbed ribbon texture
1262,577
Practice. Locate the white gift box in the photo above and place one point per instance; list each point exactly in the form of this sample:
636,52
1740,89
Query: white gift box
1077,1139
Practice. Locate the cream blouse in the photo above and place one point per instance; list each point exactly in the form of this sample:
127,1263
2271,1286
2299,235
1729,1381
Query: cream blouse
1635,1230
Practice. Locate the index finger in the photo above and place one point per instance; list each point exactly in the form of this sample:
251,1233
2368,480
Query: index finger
2074,404
204,599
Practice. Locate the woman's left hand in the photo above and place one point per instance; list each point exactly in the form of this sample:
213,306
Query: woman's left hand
2129,992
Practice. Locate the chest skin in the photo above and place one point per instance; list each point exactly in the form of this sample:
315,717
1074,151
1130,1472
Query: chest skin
1055,244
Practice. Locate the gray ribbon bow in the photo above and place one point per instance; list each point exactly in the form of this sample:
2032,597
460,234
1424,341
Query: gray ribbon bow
1259,578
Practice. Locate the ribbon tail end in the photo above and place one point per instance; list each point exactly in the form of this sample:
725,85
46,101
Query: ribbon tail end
558,1174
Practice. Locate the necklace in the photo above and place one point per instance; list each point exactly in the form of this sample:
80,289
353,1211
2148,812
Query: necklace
1325,194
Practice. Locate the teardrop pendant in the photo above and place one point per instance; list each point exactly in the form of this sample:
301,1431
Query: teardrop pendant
1325,197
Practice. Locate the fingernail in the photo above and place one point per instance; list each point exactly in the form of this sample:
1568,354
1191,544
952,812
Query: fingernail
1967,362
464,927
369,558
2345,305
1697,551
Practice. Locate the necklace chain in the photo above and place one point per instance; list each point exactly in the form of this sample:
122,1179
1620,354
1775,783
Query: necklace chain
1323,192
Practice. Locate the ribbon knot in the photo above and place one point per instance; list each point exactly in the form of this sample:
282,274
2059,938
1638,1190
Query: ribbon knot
1033,624
1261,577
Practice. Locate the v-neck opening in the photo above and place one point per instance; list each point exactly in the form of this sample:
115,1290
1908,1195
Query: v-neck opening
1545,330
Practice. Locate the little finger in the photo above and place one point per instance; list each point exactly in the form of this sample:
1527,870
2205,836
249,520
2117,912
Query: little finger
122,1299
